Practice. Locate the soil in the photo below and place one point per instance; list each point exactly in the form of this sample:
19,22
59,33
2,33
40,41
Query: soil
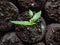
40,34
35,5
53,34
8,11
31,34
40,43
10,39
52,9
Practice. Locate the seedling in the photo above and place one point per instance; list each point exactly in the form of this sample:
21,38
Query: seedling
30,13
32,21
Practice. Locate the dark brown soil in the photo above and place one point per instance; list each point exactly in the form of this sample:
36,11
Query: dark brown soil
10,39
53,34
40,43
35,5
52,9
8,11
31,34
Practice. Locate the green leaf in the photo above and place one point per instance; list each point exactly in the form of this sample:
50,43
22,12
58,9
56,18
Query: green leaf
36,17
22,23
30,13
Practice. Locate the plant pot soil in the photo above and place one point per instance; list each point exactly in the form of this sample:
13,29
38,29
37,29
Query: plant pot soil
30,34
39,43
35,5
52,9
10,39
53,34
8,11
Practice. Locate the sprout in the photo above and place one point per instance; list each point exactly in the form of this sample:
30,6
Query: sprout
36,16
22,22
30,13
32,21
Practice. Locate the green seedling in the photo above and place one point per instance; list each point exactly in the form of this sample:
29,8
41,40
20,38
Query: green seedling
22,22
32,21
30,13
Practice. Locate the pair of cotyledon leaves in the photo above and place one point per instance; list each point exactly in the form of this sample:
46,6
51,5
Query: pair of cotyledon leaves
32,21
